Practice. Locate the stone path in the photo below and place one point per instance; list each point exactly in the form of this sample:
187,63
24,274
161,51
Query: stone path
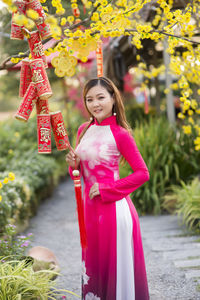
172,259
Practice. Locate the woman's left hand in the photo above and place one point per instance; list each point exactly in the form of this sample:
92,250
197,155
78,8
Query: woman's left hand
94,191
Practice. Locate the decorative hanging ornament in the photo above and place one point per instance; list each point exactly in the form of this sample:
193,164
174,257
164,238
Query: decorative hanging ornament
39,76
36,6
59,131
27,103
80,209
36,47
25,77
99,55
42,106
44,133
44,29
16,30
21,6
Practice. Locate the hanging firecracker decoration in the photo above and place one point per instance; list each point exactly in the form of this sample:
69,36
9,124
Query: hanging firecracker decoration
39,76
80,208
21,6
99,54
25,77
59,131
16,30
146,103
27,103
44,133
36,47
42,26
36,6
42,106
44,29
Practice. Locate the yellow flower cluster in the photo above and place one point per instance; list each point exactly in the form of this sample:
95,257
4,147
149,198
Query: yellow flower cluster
32,14
11,177
58,5
63,22
81,42
22,20
187,129
154,72
64,64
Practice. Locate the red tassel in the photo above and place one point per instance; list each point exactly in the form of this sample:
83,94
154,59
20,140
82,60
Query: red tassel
146,103
80,210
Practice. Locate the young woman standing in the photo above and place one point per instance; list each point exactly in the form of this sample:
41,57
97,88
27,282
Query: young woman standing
113,262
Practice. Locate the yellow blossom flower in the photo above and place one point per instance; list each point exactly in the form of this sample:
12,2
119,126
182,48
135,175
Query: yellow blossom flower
0,198
187,129
190,112
190,120
16,134
32,14
181,116
1,185
95,17
63,21
5,181
11,176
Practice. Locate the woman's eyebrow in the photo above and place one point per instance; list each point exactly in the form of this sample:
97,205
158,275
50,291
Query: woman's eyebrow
100,94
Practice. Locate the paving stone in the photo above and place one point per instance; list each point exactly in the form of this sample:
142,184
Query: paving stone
175,246
172,240
181,254
192,274
166,233
187,263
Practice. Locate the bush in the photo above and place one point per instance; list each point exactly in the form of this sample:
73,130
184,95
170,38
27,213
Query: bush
20,282
185,201
135,114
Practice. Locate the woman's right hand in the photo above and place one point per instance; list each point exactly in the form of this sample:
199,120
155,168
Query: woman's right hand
73,160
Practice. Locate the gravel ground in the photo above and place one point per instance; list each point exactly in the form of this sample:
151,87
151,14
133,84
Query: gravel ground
55,227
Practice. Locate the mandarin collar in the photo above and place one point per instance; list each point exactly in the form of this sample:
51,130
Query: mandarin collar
107,121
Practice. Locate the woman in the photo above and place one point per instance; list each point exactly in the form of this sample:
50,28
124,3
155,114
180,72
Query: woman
113,262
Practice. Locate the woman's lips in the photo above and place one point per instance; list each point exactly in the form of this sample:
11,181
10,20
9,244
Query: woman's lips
97,111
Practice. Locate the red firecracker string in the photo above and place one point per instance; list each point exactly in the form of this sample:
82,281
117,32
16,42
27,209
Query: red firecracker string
99,54
79,203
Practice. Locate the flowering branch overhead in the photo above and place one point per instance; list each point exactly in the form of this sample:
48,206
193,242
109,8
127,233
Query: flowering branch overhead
79,30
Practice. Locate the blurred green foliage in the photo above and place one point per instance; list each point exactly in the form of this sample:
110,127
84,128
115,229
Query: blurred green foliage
185,201
170,158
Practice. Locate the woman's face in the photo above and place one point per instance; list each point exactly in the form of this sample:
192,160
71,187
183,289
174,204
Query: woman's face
99,103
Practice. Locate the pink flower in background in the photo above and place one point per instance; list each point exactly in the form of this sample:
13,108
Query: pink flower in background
128,83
